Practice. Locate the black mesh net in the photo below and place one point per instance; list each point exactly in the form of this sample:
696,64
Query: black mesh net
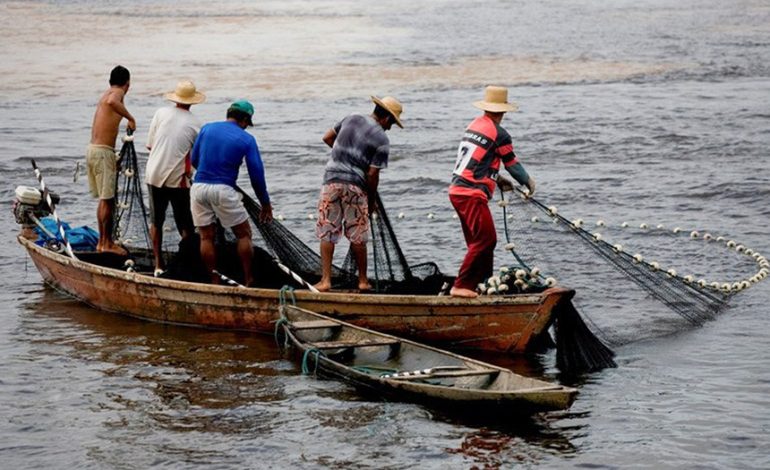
130,217
389,271
673,266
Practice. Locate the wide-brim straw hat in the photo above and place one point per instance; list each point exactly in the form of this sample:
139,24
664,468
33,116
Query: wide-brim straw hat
496,100
185,93
392,106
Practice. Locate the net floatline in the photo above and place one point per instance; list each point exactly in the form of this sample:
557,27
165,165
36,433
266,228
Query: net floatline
130,214
695,301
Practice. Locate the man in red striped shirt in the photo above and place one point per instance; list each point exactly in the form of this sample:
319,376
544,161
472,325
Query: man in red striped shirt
485,145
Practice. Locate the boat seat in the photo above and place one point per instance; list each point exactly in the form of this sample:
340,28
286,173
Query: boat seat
313,325
419,375
355,344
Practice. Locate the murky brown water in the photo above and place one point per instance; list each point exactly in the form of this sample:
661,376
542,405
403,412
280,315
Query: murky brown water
651,111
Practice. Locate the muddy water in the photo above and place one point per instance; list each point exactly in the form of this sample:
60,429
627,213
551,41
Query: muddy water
649,111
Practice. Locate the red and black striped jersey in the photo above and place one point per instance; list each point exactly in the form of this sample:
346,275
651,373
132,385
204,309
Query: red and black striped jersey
484,145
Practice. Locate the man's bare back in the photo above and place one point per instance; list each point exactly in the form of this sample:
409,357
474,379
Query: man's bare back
109,112
101,164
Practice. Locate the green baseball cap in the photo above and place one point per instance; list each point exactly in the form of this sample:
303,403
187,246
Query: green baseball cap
244,107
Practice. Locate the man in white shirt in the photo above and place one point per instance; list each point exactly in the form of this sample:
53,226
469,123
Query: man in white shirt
169,170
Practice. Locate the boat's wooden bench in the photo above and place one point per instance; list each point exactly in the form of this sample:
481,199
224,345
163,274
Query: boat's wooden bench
417,375
314,325
356,344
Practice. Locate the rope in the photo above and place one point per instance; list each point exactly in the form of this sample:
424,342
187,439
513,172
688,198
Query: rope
49,201
372,218
306,356
227,280
286,292
295,276
277,332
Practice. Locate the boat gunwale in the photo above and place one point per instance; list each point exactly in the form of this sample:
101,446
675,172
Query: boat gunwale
346,297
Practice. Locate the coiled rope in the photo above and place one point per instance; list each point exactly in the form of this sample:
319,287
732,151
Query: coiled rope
306,357
284,295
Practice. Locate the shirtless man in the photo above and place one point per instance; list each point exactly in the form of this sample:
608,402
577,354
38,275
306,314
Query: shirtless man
101,159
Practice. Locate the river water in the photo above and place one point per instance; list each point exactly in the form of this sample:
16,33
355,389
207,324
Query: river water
648,111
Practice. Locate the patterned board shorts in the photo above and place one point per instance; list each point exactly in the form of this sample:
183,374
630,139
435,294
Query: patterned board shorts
343,206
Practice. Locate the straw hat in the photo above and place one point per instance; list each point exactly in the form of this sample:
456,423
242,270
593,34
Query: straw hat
496,100
392,106
185,93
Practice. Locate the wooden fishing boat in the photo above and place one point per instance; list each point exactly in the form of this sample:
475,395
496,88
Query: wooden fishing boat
407,370
510,324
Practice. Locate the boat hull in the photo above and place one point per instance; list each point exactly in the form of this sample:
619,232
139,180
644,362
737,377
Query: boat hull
493,323
393,367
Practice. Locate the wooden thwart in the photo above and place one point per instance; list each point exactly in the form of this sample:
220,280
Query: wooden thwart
314,325
355,344
445,374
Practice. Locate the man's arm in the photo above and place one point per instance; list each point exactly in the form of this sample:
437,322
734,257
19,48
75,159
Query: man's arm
257,177
372,181
522,177
115,101
330,137
195,154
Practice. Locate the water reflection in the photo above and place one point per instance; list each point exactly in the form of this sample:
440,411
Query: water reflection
522,441
181,380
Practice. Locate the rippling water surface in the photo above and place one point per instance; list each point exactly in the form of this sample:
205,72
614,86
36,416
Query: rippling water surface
640,111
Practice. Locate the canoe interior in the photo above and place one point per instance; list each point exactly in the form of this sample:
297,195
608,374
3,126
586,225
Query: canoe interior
185,264
395,366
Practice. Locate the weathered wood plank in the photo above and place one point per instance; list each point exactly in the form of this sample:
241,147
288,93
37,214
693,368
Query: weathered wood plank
361,343
443,374
313,325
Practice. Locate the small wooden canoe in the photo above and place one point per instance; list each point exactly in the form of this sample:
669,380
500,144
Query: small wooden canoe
507,324
411,371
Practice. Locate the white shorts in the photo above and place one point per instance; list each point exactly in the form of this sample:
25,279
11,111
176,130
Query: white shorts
209,202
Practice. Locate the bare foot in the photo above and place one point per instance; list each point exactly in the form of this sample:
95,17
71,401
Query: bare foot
461,292
323,286
364,287
112,248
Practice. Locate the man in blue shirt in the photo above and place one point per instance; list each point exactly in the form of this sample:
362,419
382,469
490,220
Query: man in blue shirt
217,155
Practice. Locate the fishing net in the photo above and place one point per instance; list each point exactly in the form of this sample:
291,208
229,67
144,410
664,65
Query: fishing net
674,266
129,223
389,270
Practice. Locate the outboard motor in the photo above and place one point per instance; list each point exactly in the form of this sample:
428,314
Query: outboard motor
29,207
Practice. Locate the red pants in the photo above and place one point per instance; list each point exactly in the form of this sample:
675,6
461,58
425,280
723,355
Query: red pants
481,238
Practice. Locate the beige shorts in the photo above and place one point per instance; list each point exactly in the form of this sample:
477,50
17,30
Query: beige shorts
209,202
102,164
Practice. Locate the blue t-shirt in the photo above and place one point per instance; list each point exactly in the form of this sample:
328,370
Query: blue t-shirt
218,153
360,143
